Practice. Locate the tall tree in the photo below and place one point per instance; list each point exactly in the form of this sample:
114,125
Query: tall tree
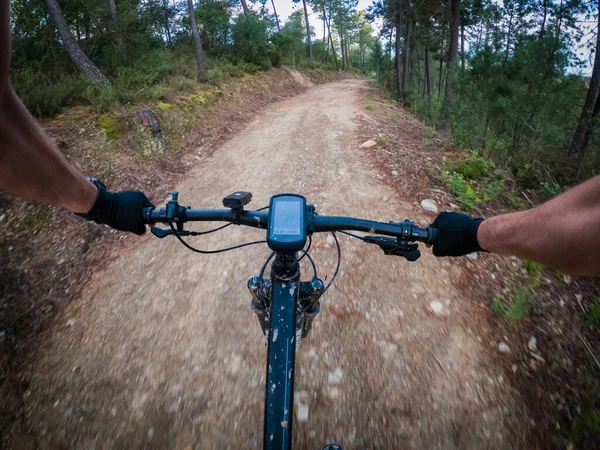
245,7
406,49
328,22
397,58
166,13
451,61
308,33
427,87
276,16
578,146
113,10
196,35
79,58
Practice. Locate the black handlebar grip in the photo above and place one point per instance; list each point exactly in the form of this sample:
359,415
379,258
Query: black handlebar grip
147,215
432,235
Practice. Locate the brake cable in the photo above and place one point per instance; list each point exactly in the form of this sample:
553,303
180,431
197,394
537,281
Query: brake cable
307,248
208,252
339,262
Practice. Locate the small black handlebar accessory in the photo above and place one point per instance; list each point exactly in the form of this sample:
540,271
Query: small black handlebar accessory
237,200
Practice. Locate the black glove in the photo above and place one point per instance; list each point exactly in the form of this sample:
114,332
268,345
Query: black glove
120,210
457,234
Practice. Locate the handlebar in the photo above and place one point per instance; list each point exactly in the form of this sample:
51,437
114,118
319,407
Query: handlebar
259,219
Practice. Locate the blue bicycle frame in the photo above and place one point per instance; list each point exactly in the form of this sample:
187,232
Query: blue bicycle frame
279,396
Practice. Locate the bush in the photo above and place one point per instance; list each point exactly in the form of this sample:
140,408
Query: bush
250,40
46,97
463,191
473,167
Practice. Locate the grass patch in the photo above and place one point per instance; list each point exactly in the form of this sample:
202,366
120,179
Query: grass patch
427,134
535,271
514,309
36,219
592,317
587,423
369,106
473,179
112,126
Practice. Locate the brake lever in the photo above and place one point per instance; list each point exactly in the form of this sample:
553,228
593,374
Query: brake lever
391,246
164,232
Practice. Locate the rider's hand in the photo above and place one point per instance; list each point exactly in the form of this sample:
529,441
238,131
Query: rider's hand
120,210
457,234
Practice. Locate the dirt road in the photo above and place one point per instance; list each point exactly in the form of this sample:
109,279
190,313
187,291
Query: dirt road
163,351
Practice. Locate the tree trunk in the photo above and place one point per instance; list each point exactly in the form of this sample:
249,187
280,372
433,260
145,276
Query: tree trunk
196,34
328,21
508,37
578,146
245,6
593,123
308,39
441,67
276,16
452,52
441,76
405,60
427,76
166,25
360,52
113,11
462,46
543,26
398,74
79,58
342,49
348,58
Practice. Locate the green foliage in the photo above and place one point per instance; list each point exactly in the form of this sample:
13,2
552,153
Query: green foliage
587,423
148,52
463,190
427,134
514,309
535,271
114,127
250,40
592,317
473,167
551,188
473,179
369,106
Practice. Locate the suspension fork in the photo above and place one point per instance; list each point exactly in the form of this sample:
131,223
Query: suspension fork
281,338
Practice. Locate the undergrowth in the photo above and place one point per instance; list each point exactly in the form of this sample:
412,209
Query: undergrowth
473,179
516,307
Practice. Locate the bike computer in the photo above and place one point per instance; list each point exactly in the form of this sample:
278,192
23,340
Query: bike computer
287,223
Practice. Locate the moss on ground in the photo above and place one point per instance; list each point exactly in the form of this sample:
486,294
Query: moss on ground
112,126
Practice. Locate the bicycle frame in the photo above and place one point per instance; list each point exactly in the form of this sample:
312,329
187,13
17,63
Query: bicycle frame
290,299
281,354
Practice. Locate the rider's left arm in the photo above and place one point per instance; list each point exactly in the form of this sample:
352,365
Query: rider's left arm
30,166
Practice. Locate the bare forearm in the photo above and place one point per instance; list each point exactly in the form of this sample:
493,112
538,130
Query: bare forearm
30,166
563,233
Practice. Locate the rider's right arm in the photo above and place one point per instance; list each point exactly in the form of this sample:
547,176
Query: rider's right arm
563,233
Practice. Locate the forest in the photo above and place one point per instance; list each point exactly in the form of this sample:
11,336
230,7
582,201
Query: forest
516,82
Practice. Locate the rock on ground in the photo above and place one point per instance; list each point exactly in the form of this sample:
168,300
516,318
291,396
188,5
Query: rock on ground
429,205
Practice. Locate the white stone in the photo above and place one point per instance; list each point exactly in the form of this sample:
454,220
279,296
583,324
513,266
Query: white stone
503,347
429,205
368,144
